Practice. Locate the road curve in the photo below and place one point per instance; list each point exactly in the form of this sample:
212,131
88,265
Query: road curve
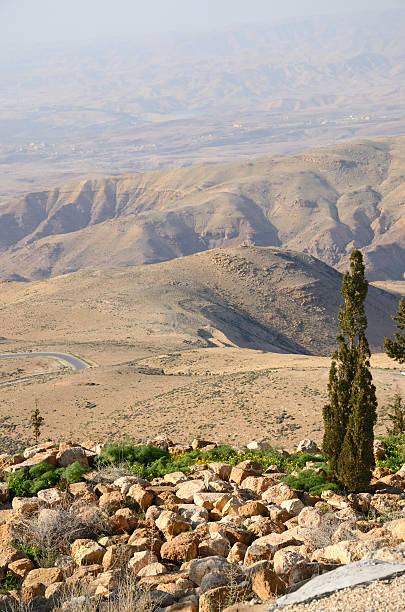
74,362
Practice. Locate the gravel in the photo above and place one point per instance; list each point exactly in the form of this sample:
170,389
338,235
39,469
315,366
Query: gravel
379,596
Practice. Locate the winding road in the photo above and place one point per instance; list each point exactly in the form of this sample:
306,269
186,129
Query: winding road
73,362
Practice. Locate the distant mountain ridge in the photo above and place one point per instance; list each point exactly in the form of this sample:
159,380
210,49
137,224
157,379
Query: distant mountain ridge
323,202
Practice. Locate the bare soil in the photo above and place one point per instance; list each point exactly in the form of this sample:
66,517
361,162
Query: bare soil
225,394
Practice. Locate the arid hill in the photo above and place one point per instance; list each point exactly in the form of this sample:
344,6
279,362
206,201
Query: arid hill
324,202
250,297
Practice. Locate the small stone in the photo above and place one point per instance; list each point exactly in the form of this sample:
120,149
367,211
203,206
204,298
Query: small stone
308,446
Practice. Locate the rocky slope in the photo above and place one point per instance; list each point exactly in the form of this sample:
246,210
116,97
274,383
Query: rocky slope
254,297
323,202
204,540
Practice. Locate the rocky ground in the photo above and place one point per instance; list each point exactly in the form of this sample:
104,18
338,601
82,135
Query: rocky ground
220,538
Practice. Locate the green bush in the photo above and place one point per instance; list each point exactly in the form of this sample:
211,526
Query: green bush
395,453
310,481
129,453
9,583
27,482
73,472
298,460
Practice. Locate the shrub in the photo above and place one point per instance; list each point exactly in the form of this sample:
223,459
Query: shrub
73,472
151,462
395,453
129,453
9,583
45,535
397,415
310,481
299,460
27,483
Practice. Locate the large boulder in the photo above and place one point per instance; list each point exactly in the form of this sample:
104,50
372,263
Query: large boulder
87,552
200,567
187,490
183,547
37,580
71,455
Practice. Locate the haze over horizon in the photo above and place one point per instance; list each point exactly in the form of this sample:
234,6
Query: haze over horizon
72,20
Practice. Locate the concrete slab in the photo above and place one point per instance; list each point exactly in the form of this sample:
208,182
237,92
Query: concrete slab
350,575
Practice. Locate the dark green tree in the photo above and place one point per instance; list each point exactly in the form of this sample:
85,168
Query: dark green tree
396,348
350,415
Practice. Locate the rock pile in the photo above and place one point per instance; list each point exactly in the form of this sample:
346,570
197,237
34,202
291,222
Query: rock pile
222,535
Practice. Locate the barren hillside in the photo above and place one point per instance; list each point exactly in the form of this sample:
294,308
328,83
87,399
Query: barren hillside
323,202
258,298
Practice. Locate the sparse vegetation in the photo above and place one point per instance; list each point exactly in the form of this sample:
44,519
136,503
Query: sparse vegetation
36,421
142,461
395,452
9,583
311,481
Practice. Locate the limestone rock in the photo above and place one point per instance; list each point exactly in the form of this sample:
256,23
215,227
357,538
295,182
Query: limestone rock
278,493
71,455
25,506
216,545
140,560
293,506
253,508
244,469
215,599
187,490
265,582
171,524
143,498
87,552
175,478
200,567
37,580
183,547
308,446
21,567
223,470
51,497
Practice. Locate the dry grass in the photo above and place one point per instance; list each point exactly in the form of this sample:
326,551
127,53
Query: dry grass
50,532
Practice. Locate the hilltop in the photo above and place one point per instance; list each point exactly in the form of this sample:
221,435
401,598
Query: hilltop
324,202
250,297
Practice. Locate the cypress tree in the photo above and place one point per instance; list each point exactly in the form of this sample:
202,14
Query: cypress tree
396,348
350,415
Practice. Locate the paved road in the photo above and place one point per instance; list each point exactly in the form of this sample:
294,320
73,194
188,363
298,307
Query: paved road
70,360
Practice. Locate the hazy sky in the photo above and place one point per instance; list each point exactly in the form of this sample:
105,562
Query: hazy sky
52,20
